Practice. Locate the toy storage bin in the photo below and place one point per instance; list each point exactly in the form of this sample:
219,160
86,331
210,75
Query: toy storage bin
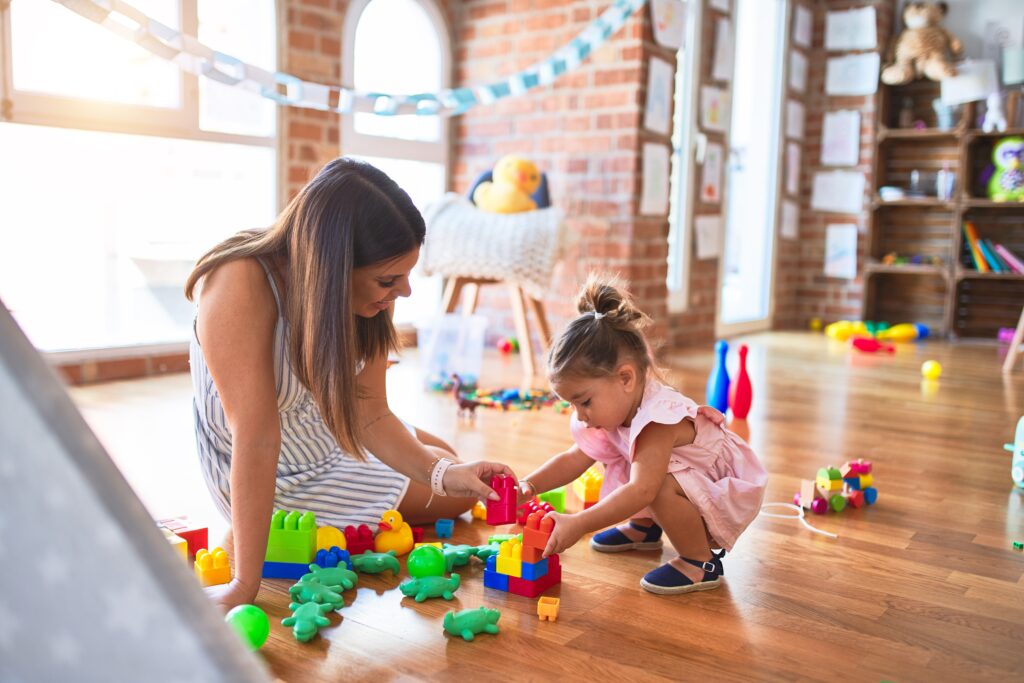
451,344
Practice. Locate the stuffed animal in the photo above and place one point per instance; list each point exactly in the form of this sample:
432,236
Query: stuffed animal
514,180
924,48
1007,182
995,117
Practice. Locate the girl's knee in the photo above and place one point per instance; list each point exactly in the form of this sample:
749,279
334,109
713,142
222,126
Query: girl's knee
669,491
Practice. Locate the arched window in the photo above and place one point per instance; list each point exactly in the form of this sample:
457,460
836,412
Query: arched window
382,54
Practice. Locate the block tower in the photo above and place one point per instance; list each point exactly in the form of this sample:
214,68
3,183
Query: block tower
518,567
291,546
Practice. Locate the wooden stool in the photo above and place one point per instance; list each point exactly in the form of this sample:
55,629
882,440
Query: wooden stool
1018,339
454,289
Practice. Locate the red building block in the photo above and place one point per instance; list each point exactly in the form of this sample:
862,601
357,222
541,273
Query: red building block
528,508
538,531
502,511
417,534
358,540
531,589
197,537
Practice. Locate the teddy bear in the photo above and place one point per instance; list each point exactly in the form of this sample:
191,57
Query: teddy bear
924,48
514,180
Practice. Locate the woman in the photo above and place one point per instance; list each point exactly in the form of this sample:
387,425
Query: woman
291,341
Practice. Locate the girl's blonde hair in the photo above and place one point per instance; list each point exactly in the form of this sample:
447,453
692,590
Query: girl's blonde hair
349,216
607,331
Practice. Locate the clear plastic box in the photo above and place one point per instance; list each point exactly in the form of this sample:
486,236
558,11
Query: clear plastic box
451,344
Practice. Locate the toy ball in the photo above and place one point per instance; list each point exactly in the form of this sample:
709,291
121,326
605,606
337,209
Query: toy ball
816,324
427,560
796,499
819,506
251,624
504,346
931,369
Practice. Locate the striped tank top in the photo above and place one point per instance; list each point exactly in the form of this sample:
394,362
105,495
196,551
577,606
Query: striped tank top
313,473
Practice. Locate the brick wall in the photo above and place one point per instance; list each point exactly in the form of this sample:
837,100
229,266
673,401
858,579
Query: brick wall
802,290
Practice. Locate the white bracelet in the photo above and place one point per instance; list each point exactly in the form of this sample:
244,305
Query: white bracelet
437,476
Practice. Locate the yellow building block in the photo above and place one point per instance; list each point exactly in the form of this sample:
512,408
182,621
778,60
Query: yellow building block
328,537
510,558
479,511
588,486
212,568
436,544
866,480
176,541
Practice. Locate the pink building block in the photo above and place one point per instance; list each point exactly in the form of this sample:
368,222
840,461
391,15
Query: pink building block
502,511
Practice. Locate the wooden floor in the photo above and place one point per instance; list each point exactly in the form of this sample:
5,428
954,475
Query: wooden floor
922,586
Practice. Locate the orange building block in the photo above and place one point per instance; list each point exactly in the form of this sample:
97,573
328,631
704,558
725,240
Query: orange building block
547,608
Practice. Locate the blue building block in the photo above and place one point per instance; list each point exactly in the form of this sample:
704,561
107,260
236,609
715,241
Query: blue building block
443,528
285,570
495,580
333,557
853,483
870,495
535,570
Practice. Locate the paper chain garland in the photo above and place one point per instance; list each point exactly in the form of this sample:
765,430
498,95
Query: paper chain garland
192,56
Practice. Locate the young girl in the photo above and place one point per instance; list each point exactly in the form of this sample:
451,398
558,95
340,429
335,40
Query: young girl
668,464
291,342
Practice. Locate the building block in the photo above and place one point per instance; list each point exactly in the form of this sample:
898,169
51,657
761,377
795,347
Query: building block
417,534
179,544
538,530
531,571
479,510
526,509
555,498
531,589
492,579
853,483
866,481
870,495
359,540
808,493
547,608
588,486
501,538
212,568
510,558
197,537
502,511
292,537
328,537
531,554
443,528
436,544
333,557
292,571
855,499
865,466
850,469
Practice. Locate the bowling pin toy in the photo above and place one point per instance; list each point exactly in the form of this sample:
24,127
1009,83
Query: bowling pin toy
717,391
740,392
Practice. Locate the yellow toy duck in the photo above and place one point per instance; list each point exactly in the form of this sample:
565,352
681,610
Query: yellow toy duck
395,534
515,179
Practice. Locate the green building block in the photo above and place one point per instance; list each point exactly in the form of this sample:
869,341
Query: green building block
1017,545
292,537
501,538
555,498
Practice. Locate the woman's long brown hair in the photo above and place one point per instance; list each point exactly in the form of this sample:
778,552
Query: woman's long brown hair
349,216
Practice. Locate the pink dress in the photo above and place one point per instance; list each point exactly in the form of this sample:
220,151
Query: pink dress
718,472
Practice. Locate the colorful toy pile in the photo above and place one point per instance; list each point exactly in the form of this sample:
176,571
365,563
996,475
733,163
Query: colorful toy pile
519,567
834,489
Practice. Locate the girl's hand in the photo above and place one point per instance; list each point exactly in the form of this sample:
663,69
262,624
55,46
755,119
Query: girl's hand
232,594
566,533
525,492
711,414
473,479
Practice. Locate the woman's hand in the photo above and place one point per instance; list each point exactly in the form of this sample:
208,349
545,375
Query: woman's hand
566,533
473,479
711,414
232,594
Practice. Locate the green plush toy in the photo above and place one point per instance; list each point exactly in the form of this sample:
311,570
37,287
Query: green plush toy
1007,182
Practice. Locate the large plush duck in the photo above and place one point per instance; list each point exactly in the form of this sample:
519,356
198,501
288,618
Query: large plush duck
395,534
514,180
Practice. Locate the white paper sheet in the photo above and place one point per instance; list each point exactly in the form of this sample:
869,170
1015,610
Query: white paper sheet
658,112
669,19
851,29
721,69
840,138
790,228
708,230
975,79
795,116
711,174
797,71
838,191
655,185
802,26
841,251
793,168
852,74
714,108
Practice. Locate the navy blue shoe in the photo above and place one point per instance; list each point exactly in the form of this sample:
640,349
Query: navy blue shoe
667,580
614,541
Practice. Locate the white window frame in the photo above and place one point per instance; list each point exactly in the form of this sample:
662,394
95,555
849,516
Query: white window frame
692,145
363,144
47,109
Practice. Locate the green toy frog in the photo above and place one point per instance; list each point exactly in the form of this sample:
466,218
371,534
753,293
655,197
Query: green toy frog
307,620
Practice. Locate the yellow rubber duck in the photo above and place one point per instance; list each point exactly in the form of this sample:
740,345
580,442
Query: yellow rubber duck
514,180
395,534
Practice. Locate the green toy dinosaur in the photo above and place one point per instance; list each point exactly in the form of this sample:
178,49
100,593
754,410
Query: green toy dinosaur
457,555
469,622
313,591
483,552
375,563
431,587
340,576
306,620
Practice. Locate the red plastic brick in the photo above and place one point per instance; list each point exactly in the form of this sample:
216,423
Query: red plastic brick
502,511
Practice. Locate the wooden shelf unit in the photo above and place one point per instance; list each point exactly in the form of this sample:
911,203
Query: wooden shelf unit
952,298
